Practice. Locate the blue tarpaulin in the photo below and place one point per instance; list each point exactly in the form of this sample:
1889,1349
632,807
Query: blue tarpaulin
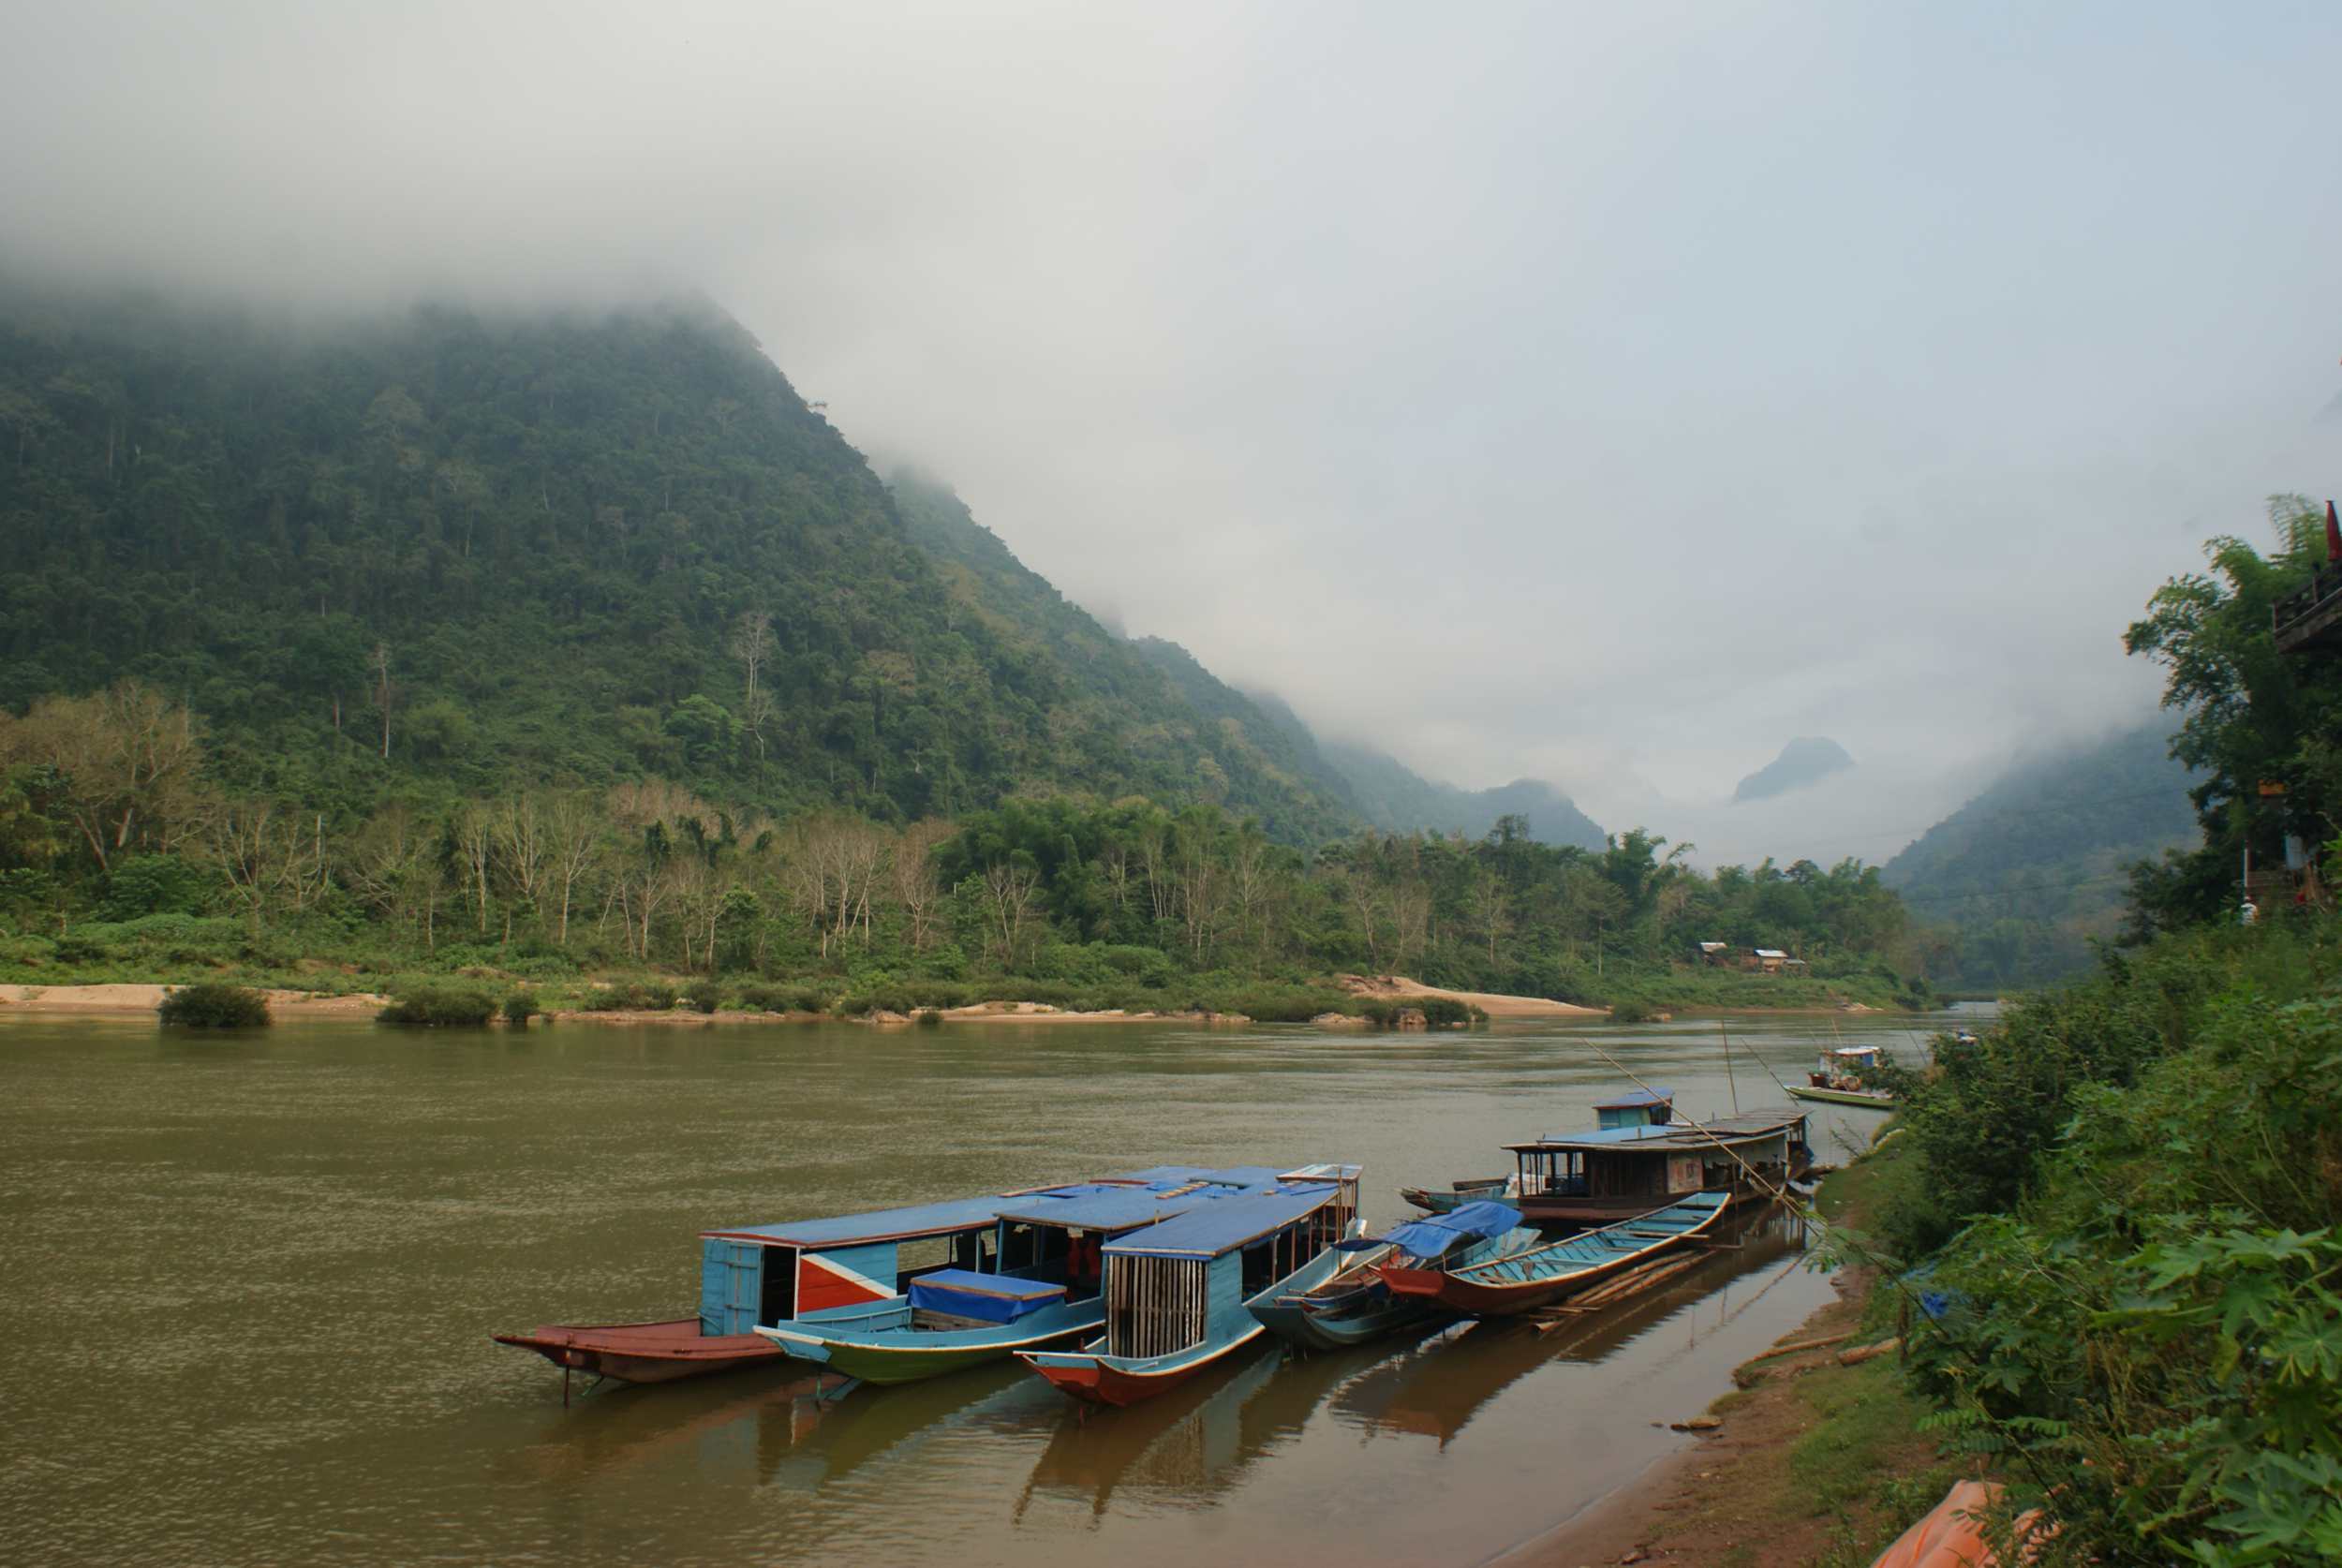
988,1297
1437,1234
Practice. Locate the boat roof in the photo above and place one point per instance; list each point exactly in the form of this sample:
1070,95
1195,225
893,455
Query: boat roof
1118,1209
1636,1096
1216,1228
1855,1051
884,1224
1164,1178
1676,1135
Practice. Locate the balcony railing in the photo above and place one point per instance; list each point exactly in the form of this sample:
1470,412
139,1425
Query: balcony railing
2311,614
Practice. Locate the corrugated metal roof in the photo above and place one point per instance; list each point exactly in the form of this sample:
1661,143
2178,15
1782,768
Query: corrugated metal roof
1113,1210
1636,1096
1745,1127
886,1225
1223,1227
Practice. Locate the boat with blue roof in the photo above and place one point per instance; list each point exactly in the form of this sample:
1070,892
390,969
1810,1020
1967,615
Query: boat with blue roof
1356,1305
1635,1108
1179,1294
994,1276
1572,1180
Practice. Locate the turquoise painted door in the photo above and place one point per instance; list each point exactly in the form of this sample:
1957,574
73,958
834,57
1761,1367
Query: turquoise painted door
731,1280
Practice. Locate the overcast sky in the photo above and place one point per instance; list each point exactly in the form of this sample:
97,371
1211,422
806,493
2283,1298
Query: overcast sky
1607,392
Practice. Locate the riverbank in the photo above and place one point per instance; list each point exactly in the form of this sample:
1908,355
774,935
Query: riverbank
114,999
1812,1460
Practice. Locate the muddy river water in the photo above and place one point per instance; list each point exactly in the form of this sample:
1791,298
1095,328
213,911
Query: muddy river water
250,1281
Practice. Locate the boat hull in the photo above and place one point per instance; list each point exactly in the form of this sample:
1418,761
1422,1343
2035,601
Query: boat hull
643,1352
1325,1331
901,1357
1102,1380
1842,1097
1432,1200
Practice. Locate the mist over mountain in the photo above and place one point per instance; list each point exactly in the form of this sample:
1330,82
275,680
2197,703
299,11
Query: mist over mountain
1805,761
2031,867
459,550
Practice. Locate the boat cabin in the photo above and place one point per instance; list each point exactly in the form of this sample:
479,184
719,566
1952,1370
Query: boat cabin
1615,1172
974,1260
1844,1068
1174,1286
1635,1108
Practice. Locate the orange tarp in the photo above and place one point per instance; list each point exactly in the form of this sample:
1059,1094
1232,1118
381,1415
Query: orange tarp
1951,1535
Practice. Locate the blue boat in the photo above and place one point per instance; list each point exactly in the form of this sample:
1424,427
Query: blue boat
1355,1304
910,1294
1179,1295
1556,1271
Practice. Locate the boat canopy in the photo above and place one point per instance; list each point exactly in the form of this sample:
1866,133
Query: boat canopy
1214,1228
1674,1136
1116,1208
1634,1098
1438,1234
886,1225
1164,1178
1865,1052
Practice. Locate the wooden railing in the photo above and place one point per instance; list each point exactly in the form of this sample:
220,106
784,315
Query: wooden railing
2311,613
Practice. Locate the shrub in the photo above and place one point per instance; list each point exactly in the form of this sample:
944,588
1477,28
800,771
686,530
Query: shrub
439,1007
928,1019
630,997
783,999
1446,1013
1633,1010
706,998
213,1006
520,1007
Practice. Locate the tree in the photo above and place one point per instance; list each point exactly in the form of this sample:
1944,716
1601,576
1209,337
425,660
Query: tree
752,645
124,765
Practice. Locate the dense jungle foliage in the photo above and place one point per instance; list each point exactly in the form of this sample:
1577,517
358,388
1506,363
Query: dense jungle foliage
2125,1200
120,856
451,553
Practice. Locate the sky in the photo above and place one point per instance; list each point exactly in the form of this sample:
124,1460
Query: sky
1605,393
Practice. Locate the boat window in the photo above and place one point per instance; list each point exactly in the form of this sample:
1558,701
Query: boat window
973,1251
1034,1249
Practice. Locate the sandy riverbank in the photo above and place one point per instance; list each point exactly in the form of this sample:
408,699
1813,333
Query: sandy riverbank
120,998
1397,987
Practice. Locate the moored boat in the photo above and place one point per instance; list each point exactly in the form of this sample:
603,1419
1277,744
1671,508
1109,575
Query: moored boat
642,1351
1178,1295
1354,1304
1839,1078
1018,1273
1636,1107
1576,1179
1557,1270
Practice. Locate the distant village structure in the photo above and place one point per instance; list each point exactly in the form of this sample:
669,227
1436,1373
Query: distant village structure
1760,960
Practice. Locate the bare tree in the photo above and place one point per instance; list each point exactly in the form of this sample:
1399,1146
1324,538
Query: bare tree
271,855
395,867
573,838
524,843
474,831
917,887
128,758
380,664
1011,888
751,644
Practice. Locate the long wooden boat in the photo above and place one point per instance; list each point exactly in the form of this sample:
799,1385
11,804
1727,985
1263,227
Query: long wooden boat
1576,1179
1635,1108
1027,1273
1543,1275
1354,1304
642,1351
1179,1295
1838,1078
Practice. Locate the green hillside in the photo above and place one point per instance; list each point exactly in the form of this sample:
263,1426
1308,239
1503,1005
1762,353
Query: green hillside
2024,875
448,552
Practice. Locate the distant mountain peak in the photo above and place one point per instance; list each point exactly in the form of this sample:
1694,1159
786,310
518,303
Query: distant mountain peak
1807,760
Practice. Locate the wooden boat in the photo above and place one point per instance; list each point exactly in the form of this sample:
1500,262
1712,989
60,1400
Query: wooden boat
1354,1304
1024,1271
1617,1172
1543,1275
1637,1107
1179,1294
642,1351
1838,1079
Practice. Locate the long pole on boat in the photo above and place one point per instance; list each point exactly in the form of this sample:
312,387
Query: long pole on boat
1727,1066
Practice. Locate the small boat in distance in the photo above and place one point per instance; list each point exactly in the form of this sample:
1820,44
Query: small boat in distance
1354,1304
1637,1107
1542,1276
1179,1295
1618,1173
1839,1079
1022,1274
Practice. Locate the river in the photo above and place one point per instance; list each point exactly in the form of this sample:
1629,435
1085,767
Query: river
249,1283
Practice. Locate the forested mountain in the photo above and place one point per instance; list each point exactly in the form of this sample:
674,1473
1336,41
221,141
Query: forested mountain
1805,761
2035,865
445,552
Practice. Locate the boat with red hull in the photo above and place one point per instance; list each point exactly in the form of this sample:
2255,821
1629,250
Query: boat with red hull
1542,1276
643,1352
